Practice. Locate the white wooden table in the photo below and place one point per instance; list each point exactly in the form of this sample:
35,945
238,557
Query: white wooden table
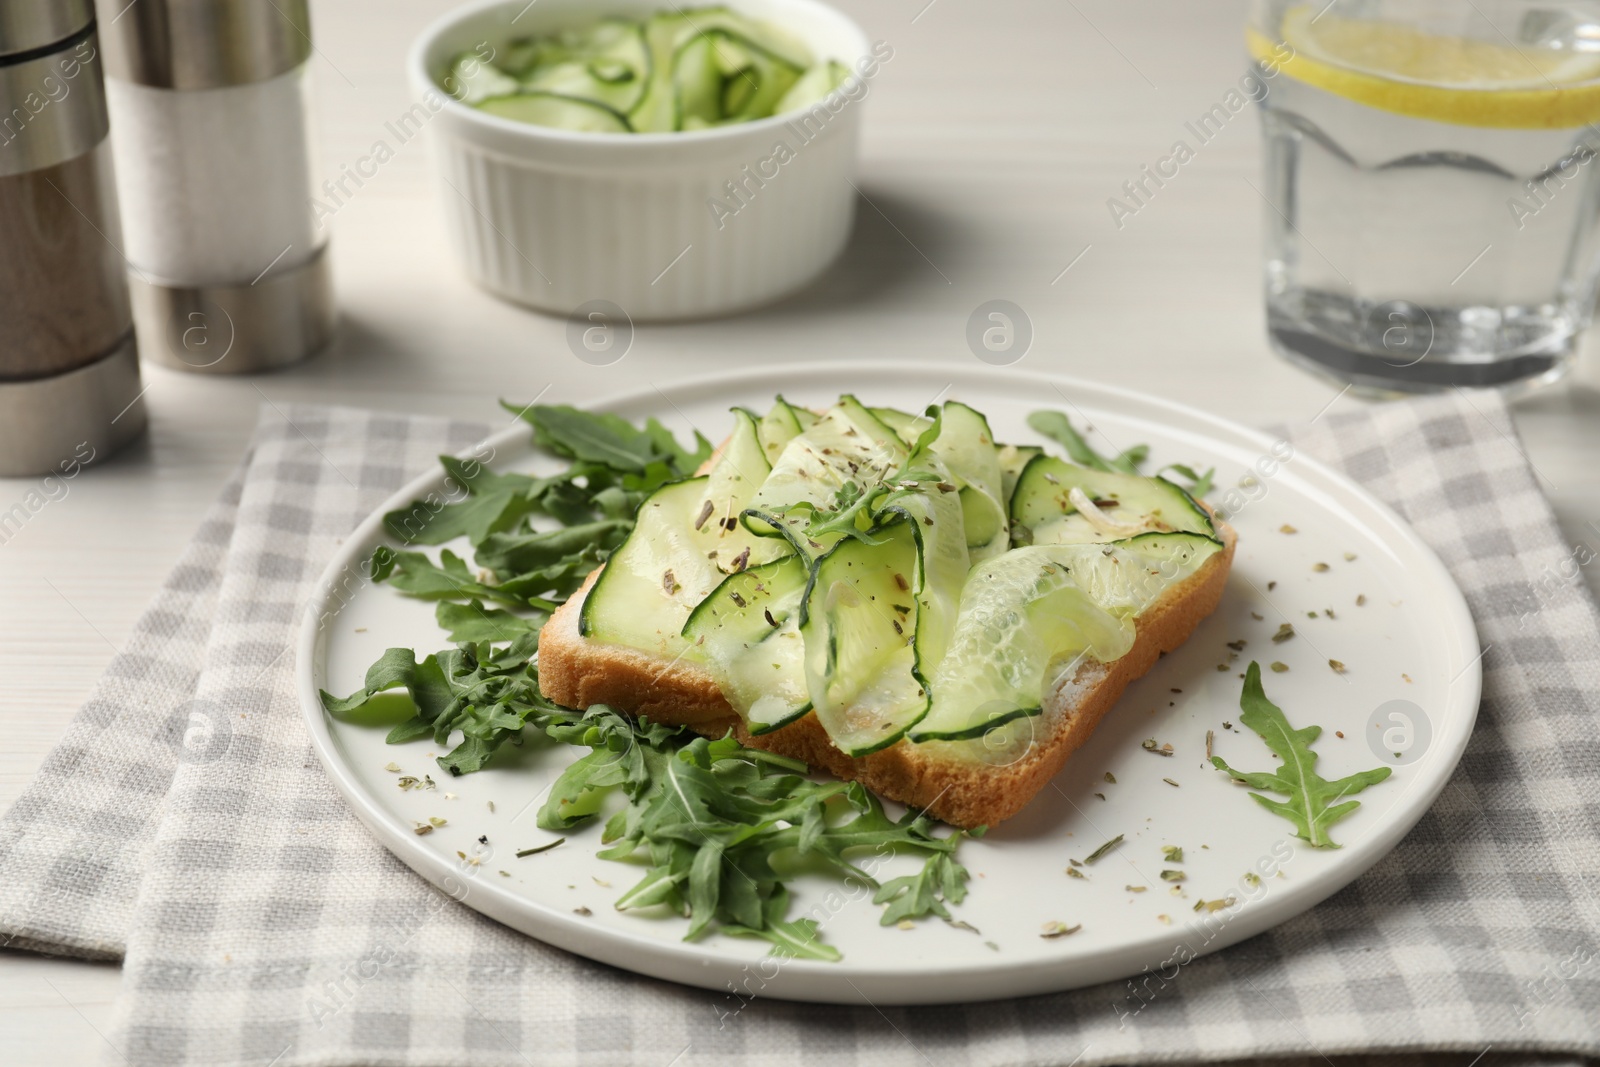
992,141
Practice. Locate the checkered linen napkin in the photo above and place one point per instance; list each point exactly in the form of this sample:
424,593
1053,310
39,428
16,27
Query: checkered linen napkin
185,825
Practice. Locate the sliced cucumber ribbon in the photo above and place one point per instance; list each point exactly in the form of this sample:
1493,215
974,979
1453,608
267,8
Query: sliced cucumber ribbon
1031,617
874,568
678,70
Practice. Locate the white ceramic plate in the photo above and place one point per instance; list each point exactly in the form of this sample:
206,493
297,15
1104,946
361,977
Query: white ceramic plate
1412,642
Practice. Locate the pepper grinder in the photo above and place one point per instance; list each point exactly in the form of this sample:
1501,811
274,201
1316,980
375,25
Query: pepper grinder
69,364
210,103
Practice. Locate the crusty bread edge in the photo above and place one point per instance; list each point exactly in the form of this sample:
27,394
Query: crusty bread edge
577,672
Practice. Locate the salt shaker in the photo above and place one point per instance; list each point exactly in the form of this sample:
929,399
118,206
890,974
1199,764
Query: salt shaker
209,103
69,363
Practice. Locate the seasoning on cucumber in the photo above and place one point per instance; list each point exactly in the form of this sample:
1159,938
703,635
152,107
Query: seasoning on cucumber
678,70
894,575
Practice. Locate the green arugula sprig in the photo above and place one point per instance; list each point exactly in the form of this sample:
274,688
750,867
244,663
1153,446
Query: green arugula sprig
1313,802
858,507
853,514
525,572
1057,427
722,827
487,695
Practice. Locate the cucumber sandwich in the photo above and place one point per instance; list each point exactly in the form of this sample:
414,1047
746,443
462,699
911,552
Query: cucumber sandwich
899,599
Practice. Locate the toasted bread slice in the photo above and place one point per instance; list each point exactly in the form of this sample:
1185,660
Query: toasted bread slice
578,672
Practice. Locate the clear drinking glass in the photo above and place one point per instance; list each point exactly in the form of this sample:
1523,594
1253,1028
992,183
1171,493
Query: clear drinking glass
1431,187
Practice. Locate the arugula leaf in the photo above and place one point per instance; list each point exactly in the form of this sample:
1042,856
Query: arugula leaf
595,500
414,574
493,502
489,696
1311,806
471,622
609,440
717,822
712,816
857,509
1199,484
558,553
923,893
1057,427
397,668
796,937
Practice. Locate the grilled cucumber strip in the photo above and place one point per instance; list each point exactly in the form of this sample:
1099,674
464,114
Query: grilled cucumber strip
1123,504
747,633
659,575
1029,618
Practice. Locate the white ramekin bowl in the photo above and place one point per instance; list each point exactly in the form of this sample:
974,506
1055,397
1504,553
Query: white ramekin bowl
663,225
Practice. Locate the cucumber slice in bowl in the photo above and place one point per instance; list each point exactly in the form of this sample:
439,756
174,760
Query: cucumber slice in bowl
747,633
698,82
554,109
472,79
1059,503
813,87
581,80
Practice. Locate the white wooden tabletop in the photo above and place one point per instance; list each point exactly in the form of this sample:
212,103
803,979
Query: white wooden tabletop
992,141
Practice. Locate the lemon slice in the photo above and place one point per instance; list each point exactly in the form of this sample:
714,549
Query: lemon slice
1446,79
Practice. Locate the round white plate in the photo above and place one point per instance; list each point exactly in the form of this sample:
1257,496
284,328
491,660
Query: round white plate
1410,685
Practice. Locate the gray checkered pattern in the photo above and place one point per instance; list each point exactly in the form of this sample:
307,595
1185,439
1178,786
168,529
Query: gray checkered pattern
185,825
